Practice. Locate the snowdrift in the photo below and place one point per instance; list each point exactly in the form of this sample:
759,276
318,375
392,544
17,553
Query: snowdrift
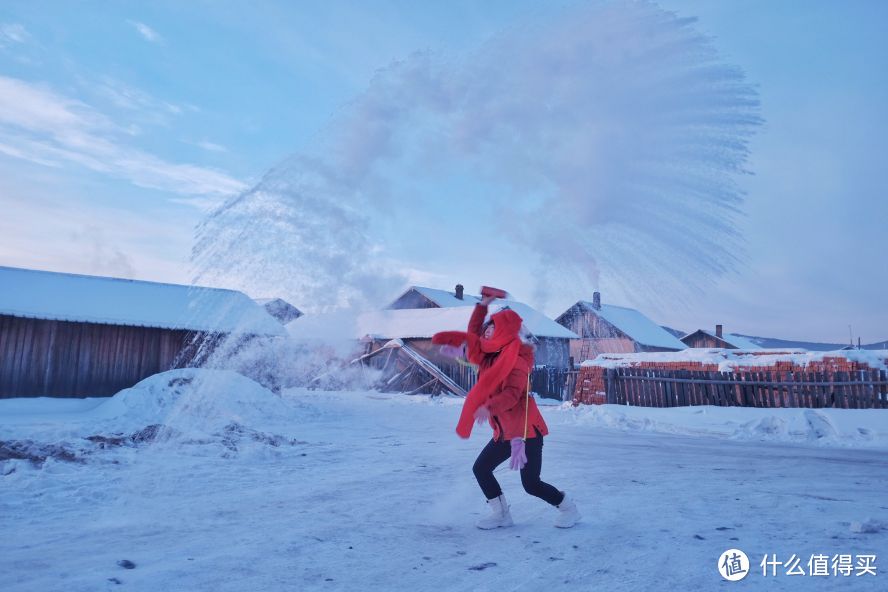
179,407
857,428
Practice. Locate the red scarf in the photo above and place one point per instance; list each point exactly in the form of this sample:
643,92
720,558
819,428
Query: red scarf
504,340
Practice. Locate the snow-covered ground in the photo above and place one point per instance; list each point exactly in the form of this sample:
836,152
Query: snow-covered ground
245,490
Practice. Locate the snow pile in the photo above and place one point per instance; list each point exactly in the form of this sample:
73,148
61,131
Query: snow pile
179,407
837,428
193,401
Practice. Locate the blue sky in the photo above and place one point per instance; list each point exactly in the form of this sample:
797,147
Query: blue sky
121,123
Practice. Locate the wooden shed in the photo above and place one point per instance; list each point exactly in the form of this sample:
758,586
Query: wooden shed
605,328
67,335
703,338
551,340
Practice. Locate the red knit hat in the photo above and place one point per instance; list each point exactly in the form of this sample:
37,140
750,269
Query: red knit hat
506,326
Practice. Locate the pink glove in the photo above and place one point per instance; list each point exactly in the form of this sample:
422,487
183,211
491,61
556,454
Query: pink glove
482,415
519,458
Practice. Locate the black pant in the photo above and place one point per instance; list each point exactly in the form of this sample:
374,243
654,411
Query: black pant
496,453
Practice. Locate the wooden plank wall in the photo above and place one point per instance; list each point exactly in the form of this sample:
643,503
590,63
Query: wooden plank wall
863,389
64,359
553,383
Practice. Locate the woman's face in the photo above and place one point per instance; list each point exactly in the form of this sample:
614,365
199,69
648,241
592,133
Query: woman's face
488,331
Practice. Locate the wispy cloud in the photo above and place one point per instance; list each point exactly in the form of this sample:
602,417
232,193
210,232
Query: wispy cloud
41,126
128,97
147,32
210,146
12,33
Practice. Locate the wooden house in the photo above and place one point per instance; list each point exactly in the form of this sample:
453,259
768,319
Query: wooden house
551,340
605,328
67,335
704,338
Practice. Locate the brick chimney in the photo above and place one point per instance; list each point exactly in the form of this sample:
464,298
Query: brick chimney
718,331
596,300
459,291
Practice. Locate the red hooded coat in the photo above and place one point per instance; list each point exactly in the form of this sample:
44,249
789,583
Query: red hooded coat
510,406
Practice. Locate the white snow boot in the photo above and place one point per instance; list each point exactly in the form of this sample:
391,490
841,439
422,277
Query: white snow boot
568,515
499,517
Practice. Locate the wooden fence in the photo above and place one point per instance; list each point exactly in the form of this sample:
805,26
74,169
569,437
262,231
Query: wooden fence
553,383
546,381
864,389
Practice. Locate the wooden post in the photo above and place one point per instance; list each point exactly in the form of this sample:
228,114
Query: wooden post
865,389
655,390
698,390
790,390
869,388
667,389
627,385
712,377
772,402
762,390
618,387
853,401
722,390
630,387
883,389
650,400
843,390
624,387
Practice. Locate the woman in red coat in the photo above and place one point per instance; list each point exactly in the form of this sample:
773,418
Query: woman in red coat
501,397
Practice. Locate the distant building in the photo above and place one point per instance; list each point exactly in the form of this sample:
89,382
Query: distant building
704,338
66,335
280,309
605,328
552,340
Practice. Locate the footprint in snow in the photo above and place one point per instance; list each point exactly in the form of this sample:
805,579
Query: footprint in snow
482,566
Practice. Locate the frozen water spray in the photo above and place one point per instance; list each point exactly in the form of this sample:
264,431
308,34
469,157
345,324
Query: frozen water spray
608,141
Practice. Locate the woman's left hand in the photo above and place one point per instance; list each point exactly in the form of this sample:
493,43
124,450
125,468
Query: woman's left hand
519,456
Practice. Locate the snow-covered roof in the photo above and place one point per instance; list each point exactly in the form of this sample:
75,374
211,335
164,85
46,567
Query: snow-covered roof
92,299
279,308
637,326
419,323
737,341
443,298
